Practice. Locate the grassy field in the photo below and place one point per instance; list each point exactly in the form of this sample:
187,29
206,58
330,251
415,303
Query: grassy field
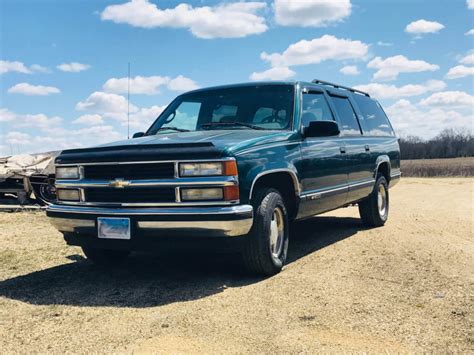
438,167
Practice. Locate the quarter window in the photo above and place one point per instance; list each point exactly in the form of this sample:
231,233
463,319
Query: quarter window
374,121
315,108
348,123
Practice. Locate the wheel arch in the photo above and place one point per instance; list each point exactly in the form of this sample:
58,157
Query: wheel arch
279,179
383,166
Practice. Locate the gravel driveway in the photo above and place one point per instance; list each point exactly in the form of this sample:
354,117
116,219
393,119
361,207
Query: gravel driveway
403,287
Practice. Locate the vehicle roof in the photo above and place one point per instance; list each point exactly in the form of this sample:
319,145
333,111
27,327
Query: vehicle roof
279,82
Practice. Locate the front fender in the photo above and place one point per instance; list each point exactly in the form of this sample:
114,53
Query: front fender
256,163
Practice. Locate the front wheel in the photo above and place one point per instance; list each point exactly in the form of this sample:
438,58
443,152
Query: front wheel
266,247
105,256
374,210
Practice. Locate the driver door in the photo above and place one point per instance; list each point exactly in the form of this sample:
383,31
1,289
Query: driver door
324,167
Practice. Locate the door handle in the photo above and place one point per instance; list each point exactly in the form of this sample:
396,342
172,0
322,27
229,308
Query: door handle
367,148
342,149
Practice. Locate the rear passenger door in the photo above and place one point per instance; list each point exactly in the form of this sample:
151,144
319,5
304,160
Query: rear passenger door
357,151
323,169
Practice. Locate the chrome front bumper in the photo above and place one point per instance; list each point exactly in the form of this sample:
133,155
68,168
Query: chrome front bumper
228,221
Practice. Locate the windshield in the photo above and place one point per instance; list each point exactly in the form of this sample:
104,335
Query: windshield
267,107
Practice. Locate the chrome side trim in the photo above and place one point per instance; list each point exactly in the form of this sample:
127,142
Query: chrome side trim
296,182
320,193
148,162
239,209
212,180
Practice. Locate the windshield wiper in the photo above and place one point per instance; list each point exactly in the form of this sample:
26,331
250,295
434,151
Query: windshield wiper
172,129
210,124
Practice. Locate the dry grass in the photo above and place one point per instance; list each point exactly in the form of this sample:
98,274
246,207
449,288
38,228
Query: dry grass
438,167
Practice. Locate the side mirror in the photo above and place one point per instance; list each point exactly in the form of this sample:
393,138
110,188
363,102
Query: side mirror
322,129
138,135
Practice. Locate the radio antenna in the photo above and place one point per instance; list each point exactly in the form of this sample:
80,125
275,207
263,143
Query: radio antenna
128,102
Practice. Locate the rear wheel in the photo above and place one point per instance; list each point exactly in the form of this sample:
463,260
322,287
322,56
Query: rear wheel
266,247
374,210
105,256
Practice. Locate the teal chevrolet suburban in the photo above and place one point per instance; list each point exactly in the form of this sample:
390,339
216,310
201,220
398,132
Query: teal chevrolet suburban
237,163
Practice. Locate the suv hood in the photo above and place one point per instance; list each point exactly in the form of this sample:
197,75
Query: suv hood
227,141
176,145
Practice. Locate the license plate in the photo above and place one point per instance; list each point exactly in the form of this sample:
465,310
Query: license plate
113,228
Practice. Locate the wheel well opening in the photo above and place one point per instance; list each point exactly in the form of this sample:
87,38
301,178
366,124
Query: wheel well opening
384,169
283,182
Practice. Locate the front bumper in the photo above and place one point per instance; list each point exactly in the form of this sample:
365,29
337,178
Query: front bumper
226,221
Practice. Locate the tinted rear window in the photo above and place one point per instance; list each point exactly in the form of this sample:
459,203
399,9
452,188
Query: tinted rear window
347,118
374,121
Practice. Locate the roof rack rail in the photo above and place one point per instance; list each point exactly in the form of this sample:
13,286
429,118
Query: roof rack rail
337,86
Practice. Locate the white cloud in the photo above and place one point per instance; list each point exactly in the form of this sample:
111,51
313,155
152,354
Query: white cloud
349,70
470,4
40,120
277,73
181,83
410,119
449,99
106,104
19,67
311,13
316,51
389,68
422,26
148,85
384,91
459,71
470,32
73,67
89,120
33,90
6,115
469,59
39,69
384,44
225,20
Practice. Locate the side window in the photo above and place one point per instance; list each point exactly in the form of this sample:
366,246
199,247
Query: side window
374,121
224,113
185,116
315,108
348,123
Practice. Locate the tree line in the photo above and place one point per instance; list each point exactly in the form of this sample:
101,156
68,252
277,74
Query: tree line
450,143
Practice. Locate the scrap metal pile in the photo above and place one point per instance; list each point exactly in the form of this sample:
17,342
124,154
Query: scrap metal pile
29,178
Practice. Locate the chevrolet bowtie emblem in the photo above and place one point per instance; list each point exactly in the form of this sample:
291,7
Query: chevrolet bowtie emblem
119,183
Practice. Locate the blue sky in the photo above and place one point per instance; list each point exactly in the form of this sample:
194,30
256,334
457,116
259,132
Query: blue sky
61,63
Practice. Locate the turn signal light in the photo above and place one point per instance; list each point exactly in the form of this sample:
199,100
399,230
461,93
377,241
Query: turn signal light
230,168
231,193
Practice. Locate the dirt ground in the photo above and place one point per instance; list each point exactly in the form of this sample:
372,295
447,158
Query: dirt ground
407,286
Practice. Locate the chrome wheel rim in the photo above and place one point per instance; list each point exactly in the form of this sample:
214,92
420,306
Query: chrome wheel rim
382,200
277,231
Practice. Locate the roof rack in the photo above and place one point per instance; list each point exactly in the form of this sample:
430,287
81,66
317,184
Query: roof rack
337,86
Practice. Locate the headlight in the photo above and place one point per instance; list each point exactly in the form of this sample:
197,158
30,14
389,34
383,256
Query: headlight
200,169
202,194
68,194
227,168
67,172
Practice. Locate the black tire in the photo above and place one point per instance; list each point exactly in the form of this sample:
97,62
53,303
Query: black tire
105,256
371,213
260,256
